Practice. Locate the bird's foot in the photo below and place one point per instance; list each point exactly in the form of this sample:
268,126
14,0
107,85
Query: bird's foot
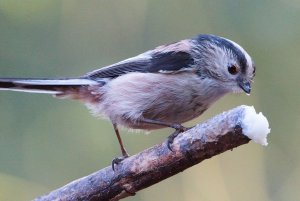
118,160
178,129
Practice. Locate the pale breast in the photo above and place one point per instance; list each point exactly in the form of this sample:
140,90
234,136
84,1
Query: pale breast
173,98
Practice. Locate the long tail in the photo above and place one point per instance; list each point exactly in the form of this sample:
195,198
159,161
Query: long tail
58,87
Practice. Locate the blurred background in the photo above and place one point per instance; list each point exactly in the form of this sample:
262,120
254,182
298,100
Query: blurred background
46,143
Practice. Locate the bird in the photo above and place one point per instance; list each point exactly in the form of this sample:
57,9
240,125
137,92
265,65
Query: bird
163,87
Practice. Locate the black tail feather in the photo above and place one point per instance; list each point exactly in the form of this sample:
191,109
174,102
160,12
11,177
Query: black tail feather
51,86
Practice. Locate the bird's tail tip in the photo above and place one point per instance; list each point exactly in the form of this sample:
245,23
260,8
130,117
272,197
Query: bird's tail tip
48,86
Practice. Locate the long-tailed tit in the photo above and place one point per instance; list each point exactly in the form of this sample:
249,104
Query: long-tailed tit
163,87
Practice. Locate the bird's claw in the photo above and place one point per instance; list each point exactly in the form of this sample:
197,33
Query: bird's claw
178,129
117,161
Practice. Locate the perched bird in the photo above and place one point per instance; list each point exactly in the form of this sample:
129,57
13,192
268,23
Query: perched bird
163,87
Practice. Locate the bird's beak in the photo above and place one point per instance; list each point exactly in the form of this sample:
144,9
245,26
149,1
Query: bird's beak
246,86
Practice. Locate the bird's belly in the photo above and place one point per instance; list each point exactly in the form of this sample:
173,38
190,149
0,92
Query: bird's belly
168,98
169,113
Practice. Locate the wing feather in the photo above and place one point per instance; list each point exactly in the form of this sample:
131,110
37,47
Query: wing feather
169,58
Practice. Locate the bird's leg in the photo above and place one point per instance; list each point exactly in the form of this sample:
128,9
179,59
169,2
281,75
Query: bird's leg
117,160
178,129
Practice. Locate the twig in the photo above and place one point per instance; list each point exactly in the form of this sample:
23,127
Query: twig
221,133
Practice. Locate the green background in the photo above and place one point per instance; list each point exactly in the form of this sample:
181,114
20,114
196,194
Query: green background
46,143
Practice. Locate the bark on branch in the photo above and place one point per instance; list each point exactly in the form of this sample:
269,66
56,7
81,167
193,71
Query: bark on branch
221,133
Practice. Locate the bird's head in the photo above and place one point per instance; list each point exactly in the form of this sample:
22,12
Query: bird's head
225,62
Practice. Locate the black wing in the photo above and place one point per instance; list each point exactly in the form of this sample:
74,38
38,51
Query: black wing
158,60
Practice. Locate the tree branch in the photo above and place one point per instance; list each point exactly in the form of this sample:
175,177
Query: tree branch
221,133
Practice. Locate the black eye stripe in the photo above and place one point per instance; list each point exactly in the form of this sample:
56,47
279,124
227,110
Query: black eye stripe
223,43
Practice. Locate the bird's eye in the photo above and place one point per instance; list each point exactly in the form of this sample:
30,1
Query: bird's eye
232,69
